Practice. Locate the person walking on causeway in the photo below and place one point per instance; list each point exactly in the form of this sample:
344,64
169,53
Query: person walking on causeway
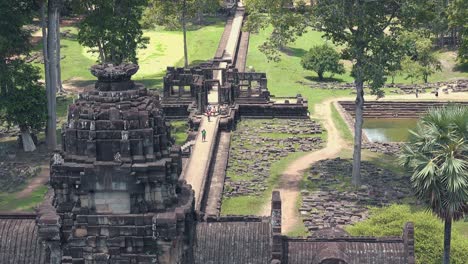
203,135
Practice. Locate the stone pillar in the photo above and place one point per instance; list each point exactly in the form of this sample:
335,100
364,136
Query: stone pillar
277,247
49,225
408,240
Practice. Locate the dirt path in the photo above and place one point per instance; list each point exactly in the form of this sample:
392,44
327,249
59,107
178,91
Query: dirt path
289,182
39,180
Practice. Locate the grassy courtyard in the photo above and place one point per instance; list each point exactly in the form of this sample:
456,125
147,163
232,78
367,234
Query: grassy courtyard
164,49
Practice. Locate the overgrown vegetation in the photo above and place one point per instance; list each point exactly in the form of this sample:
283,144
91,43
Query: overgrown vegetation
429,232
179,130
9,201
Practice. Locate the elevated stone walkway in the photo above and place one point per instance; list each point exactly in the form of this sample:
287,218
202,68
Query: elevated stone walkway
197,168
218,175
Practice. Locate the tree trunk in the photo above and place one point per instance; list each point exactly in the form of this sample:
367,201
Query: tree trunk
356,176
320,76
185,33
447,239
44,44
59,69
26,139
51,136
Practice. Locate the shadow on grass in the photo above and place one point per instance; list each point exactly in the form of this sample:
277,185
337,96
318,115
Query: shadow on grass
294,52
81,83
463,67
325,79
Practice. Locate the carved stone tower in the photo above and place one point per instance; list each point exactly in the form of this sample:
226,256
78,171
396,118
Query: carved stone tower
116,181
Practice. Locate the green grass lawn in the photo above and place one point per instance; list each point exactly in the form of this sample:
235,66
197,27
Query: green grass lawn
341,125
165,49
288,78
9,202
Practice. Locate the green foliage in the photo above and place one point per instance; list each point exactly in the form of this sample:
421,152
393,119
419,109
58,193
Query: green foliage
25,104
13,37
429,232
169,13
419,50
321,59
458,19
437,156
112,29
179,130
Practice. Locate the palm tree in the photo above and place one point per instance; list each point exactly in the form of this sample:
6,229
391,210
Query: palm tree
437,154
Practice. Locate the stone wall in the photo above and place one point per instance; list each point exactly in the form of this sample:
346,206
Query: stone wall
394,109
451,86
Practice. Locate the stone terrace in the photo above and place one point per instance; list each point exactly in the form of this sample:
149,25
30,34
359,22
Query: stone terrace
328,199
258,143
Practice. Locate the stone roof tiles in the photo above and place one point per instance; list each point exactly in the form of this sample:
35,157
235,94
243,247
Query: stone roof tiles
19,242
232,243
350,250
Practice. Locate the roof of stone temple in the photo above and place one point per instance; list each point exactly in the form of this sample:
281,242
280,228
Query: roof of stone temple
19,242
351,250
233,242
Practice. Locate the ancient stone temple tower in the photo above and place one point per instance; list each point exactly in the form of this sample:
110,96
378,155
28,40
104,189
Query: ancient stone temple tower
118,198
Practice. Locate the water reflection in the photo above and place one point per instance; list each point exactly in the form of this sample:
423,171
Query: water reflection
388,129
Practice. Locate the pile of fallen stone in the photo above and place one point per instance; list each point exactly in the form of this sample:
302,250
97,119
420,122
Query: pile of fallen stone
389,148
255,146
330,199
14,175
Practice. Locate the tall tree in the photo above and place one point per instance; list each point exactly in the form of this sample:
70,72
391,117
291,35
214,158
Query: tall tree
437,153
52,60
25,104
112,28
458,19
419,49
366,29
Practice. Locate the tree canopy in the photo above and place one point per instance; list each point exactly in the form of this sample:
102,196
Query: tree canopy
14,39
458,19
321,59
112,28
169,13
26,104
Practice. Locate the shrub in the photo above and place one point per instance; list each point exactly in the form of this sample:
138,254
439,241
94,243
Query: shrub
429,232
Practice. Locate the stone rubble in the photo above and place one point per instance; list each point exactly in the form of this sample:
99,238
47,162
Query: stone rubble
329,199
253,150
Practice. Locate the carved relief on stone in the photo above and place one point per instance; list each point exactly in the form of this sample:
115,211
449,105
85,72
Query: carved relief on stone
117,157
124,135
71,124
57,159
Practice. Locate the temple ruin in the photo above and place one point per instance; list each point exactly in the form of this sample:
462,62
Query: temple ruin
122,192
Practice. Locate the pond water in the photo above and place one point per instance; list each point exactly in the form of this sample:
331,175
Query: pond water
388,129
